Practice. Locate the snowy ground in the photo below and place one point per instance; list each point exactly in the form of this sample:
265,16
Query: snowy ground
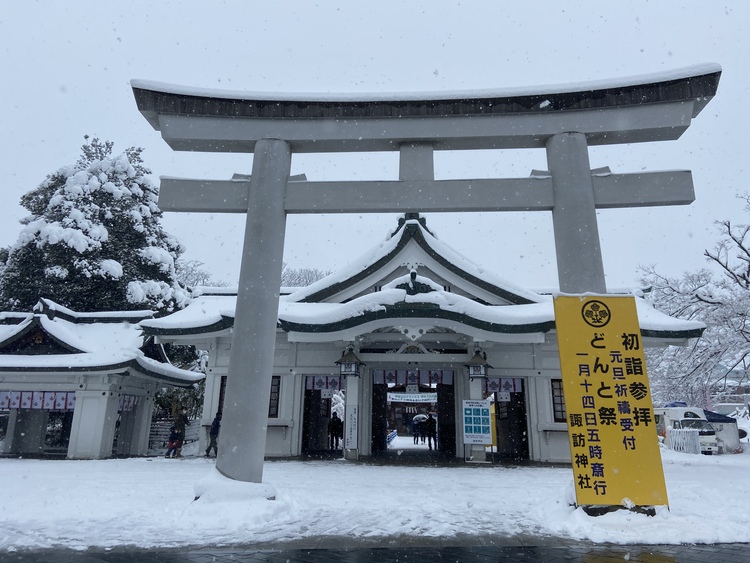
149,502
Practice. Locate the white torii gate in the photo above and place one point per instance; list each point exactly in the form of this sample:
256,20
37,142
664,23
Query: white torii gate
563,122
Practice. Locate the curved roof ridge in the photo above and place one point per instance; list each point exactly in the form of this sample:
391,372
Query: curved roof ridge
52,309
379,256
395,303
216,314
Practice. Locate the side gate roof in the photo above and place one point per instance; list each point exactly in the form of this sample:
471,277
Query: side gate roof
55,340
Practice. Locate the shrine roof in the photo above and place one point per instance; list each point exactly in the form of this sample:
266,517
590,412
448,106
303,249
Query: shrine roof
53,339
214,313
385,254
344,303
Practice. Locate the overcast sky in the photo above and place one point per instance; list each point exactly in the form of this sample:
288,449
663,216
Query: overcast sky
66,68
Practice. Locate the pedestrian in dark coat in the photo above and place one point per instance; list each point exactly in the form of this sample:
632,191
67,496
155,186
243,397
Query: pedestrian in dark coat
172,442
335,431
213,435
431,430
180,422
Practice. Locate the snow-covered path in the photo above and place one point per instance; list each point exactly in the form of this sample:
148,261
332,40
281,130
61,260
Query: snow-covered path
149,502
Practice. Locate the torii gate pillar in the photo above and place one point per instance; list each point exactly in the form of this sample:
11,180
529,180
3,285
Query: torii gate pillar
256,315
579,256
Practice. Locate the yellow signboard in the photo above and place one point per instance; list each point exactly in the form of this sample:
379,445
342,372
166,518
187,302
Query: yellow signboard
613,441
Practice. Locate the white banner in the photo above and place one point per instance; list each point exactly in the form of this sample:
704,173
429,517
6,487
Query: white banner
412,397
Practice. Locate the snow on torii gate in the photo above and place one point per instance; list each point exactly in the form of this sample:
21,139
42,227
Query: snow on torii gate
563,121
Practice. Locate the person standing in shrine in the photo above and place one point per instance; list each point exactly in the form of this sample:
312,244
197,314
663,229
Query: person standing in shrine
213,435
431,429
335,431
180,422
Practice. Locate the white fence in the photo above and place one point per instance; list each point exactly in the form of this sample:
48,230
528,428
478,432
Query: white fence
685,440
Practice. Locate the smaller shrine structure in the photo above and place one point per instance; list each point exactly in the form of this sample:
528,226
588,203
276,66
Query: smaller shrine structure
80,385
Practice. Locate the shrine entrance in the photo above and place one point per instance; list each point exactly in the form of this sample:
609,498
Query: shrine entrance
510,435
402,402
323,397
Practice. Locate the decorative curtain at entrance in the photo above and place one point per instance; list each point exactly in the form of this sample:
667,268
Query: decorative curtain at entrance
412,377
319,382
509,384
127,403
38,400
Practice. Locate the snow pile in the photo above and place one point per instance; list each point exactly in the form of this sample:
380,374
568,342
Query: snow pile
151,502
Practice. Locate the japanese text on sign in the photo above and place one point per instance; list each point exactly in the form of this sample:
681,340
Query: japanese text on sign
613,441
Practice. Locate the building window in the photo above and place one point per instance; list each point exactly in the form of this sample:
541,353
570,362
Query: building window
273,403
558,401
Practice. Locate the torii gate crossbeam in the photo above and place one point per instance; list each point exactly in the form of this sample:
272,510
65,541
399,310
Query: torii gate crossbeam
562,121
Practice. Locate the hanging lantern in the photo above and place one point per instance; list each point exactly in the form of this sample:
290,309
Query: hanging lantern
478,364
349,362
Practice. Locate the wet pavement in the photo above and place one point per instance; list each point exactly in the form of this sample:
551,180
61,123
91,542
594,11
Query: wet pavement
470,549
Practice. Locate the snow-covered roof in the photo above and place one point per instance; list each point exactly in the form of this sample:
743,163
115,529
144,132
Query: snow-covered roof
384,256
90,342
664,76
344,304
215,313
450,120
395,300
207,312
396,304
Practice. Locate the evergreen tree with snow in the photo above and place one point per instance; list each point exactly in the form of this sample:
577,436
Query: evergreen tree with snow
93,241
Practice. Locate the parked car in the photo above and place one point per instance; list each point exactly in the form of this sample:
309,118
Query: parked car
689,418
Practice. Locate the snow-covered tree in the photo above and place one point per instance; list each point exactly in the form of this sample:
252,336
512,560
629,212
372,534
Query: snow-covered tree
94,241
193,273
300,277
338,401
4,254
696,372
721,357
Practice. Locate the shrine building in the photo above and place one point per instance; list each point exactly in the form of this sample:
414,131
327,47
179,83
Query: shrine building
417,315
